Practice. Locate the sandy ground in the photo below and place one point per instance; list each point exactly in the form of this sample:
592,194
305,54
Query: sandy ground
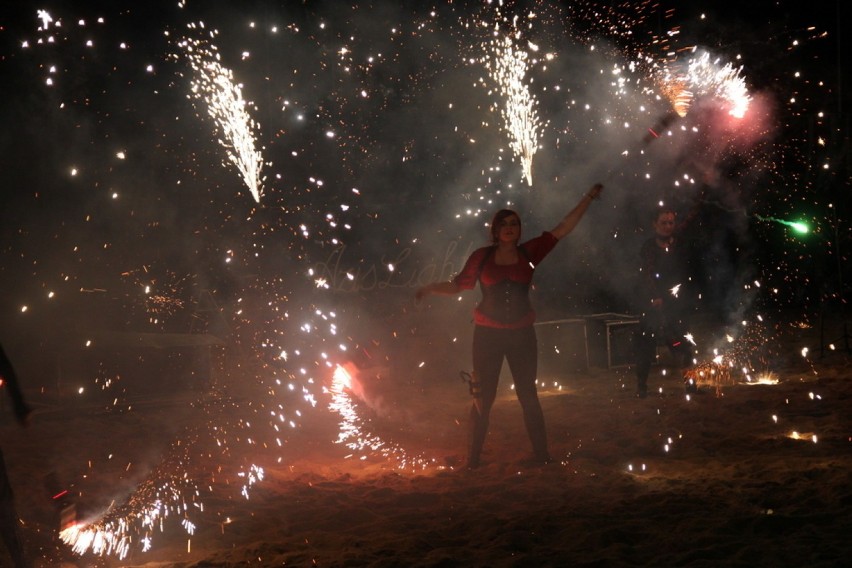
718,478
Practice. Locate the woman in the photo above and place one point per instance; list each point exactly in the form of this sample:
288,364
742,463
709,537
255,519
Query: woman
504,319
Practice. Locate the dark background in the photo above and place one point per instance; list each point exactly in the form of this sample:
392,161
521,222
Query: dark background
400,182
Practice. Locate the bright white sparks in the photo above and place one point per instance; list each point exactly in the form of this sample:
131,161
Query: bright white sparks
705,77
214,84
352,435
507,65
45,18
722,81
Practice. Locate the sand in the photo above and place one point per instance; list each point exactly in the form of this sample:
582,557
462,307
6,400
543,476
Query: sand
714,479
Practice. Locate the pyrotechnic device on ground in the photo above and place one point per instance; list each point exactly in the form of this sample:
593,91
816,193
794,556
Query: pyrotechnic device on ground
475,388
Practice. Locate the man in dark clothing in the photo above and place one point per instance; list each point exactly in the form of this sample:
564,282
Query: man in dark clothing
664,300
8,516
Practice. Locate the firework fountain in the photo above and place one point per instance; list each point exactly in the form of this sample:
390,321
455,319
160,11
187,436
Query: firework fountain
214,85
508,64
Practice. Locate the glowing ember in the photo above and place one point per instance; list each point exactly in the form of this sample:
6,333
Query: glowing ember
763,379
803,436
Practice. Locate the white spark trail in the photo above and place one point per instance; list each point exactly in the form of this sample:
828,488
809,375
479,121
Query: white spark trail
355,438
214,84
507,65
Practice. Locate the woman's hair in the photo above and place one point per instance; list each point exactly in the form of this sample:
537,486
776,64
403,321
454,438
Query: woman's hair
498,218
663,210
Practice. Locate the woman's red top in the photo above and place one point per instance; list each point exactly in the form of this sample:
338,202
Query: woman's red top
507,283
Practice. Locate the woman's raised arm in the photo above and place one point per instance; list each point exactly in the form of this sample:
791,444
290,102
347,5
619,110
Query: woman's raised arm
570,221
